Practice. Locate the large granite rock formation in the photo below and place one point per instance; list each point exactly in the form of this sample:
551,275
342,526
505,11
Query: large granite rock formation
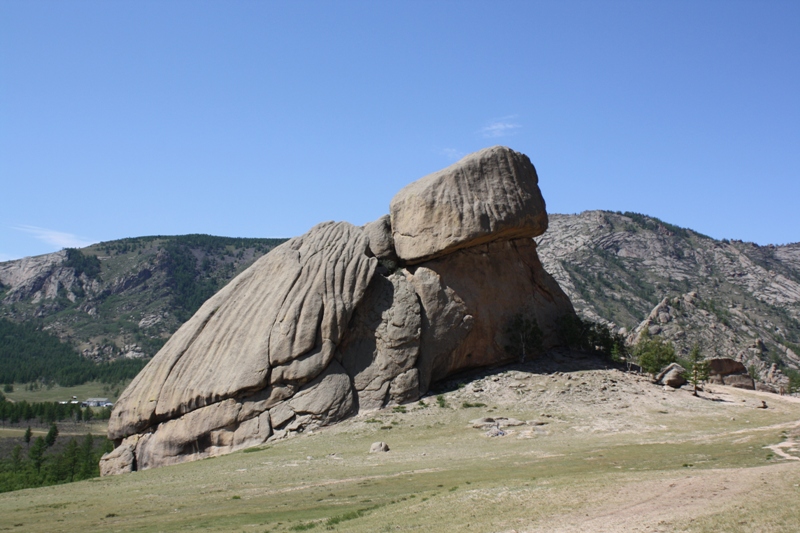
487,196
344,319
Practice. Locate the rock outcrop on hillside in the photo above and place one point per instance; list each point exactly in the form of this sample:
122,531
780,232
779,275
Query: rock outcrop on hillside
344,319
140,292
734,299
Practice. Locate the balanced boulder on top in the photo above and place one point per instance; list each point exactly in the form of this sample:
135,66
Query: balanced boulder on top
344,319
487,196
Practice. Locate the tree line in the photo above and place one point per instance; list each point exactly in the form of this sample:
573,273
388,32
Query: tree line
28,354
38,463
48,412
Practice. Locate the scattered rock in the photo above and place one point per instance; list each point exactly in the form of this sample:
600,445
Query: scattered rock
482,423
378,447
495,432
672,376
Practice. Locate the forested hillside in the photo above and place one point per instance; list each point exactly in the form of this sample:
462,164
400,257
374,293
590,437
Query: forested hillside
28,354
113,301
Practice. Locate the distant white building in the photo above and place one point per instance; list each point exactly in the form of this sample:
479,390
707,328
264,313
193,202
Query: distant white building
97,402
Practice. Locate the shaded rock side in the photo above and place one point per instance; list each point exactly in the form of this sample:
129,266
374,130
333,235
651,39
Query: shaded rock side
726,371
490,195
272,328
469,298
381,348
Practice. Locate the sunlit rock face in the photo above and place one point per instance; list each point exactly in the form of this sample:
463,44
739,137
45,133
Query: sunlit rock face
348,318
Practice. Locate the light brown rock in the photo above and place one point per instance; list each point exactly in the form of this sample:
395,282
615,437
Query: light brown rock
490,195
378,447
469,299
383,343
275,325
672,375
315,331
329,398
740,381
120,460
381,242
723,366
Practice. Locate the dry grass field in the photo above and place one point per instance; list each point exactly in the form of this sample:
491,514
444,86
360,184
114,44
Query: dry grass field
601,450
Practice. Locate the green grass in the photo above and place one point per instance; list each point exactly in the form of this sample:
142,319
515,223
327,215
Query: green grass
58,393
442,475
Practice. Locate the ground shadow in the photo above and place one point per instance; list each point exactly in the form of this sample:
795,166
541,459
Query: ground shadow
553,361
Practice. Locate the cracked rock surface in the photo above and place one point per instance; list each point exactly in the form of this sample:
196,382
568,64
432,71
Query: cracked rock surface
338,321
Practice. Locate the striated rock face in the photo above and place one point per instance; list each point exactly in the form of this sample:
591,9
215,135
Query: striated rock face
274,327
487,196
314,331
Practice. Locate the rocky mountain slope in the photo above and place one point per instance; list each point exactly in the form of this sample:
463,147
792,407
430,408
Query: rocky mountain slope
123,298
733,298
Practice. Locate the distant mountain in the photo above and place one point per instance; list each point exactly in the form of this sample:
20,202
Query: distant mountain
124,298
733,298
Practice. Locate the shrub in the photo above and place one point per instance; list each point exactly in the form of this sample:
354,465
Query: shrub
585,335
653,354
524,336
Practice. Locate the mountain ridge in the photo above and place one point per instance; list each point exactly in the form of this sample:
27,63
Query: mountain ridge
618,268
622,268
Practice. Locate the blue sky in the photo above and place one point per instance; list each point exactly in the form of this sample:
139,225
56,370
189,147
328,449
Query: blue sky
261,119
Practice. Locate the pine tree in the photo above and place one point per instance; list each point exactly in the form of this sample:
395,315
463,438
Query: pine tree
86,458
28,435
52,435
16,458
700,369
36,453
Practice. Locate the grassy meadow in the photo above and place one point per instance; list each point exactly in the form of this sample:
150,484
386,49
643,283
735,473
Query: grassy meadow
652,460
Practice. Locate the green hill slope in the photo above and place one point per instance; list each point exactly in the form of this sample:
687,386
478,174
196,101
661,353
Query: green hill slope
120,299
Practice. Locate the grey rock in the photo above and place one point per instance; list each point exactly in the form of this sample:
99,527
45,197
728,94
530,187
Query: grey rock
329,398
490,195
383,343
725,366
740,381
378,447
495,432
381,242
314,331
278,322
672,375
120,460
470,297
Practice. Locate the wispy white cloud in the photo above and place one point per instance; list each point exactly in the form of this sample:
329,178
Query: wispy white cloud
55,238
500,128
452,153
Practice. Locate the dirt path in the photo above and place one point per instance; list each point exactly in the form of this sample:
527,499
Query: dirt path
660,506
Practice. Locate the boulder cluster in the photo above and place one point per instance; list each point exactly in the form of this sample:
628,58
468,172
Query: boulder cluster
345,319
